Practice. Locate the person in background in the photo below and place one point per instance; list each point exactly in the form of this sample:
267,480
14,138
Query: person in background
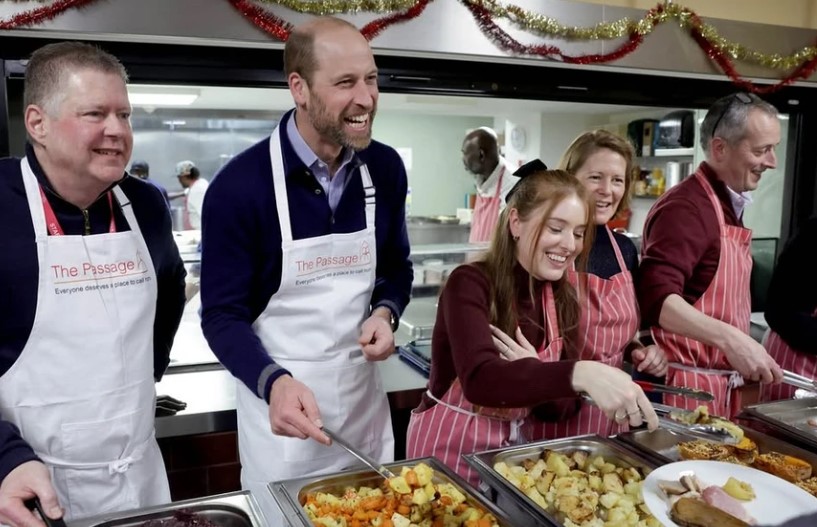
195,188
609,321
494,179
483,384
141,169
791,311
306,269
92,290
693,284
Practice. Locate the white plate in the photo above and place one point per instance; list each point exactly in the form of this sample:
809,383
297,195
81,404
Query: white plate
777,500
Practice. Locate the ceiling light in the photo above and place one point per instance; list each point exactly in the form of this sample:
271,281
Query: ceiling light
163,98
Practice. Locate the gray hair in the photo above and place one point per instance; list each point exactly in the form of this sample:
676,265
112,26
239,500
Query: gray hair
48,65
728,116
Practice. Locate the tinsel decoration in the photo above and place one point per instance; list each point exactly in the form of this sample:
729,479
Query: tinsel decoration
549,27
41,14
332,7
508,43
263,19
280,29
373,28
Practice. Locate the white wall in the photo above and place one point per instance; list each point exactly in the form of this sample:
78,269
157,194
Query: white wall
437,177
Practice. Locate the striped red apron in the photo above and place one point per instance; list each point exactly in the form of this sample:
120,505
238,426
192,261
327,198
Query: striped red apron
486,214
608,323
788,359
454,426
694,364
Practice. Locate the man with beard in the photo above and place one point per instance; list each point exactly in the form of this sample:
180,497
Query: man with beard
305,268
696,263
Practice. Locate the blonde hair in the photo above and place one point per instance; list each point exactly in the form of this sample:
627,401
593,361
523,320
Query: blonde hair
588,144
538,193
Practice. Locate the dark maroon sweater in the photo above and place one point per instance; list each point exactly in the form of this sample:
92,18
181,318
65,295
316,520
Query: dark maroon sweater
462,347
681,245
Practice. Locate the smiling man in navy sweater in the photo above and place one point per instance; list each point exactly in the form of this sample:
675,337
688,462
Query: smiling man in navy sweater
91,294
305,267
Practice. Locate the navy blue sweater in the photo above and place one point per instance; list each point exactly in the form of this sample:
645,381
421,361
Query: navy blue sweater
602,261
241,245
19,271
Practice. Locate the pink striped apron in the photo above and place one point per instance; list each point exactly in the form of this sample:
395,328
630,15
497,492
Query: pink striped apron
454,426
694,364
608,323
788,359
486,214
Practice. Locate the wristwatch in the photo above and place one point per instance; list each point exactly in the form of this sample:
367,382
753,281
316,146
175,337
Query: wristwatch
393,320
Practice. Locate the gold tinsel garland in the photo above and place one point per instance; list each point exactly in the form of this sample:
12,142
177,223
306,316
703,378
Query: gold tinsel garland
550,27
333,7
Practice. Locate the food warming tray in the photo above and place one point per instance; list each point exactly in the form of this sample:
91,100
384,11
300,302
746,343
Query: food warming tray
289,494
594,445
788,418
663,444
234,509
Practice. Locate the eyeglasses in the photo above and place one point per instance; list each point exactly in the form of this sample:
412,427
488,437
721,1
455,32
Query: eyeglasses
741,97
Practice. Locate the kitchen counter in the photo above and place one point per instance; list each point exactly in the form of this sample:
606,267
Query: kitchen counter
196,377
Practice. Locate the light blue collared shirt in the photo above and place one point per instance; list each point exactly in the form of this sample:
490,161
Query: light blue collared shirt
332,185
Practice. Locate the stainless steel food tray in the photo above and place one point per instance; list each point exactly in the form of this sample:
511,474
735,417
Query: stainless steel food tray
788,418
289,494
663,444
235,509
595,445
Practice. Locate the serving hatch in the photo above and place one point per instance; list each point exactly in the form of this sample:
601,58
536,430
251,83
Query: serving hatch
593,446
291,494
234,509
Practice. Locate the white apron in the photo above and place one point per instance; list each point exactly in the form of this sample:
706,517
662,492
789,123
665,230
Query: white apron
82,390
311,327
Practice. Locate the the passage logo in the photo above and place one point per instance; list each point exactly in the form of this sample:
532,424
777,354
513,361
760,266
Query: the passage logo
88,270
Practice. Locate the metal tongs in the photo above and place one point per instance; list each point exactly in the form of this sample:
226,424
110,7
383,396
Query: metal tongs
690,393
374,465
34,504
701,431
799,381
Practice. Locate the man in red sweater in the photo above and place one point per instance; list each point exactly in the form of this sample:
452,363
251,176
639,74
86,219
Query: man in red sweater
696,262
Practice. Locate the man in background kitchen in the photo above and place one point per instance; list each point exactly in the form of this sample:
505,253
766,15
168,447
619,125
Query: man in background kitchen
92,290
305,268
696,262
195,187
494,179
141,169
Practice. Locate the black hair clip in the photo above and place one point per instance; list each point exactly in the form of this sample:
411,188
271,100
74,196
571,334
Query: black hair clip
529,168
524,171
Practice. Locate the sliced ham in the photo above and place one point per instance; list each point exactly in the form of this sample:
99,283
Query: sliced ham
717,497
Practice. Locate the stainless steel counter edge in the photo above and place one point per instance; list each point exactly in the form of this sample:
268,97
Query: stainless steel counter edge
211,400
241,500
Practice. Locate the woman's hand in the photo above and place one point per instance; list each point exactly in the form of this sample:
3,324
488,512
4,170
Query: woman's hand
615,393
511,349
650,360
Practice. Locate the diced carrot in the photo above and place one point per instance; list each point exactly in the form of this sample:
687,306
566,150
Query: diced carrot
387,523
438,522
484,522
355,523
446,500
405,510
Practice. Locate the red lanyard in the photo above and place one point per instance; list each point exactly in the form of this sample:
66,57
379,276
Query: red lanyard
53,225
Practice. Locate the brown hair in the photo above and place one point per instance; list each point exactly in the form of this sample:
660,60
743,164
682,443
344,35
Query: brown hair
48,65
588,144
538,192
299,50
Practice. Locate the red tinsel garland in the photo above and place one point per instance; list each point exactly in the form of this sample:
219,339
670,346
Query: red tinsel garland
280,29
508,43
40,14
803,71
263,19
373,28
